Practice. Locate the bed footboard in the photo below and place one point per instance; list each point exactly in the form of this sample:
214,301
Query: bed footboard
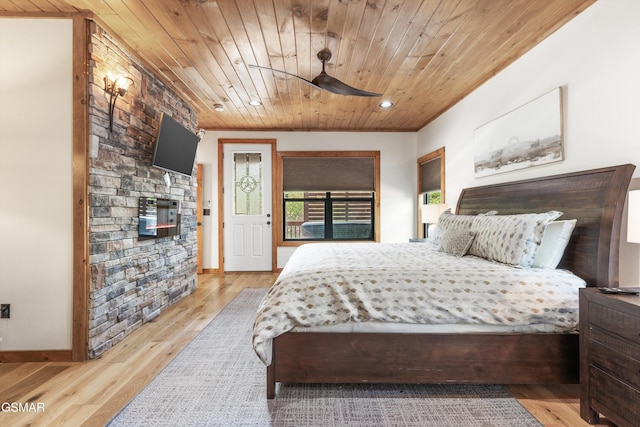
423,358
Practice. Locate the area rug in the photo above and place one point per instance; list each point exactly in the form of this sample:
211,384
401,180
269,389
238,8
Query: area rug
217,380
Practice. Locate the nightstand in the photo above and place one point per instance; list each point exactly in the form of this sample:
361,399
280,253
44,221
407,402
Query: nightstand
609,357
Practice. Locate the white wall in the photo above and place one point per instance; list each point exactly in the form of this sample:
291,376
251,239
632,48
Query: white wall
595,58
36,215
398,170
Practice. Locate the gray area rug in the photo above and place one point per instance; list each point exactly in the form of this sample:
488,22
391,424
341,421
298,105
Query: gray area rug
217,380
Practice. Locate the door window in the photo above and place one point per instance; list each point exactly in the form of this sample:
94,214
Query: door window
247,184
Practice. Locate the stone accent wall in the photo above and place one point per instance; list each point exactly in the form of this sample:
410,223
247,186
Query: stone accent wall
132,280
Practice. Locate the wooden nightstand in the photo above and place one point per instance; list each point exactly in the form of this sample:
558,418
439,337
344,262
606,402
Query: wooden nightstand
609,357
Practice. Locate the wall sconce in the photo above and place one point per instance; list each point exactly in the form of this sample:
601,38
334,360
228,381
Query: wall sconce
115,88
200,134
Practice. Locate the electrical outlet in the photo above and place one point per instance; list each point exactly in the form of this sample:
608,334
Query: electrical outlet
5,311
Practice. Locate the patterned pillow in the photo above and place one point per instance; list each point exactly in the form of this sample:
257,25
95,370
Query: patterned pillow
449,221
456,242
510,239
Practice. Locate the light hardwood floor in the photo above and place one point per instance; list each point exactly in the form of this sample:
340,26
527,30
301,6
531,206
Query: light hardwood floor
90,393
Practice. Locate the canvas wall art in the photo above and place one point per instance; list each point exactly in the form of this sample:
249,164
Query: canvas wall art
530,135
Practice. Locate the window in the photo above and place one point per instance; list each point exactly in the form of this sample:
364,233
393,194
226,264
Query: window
328,196
247,184
316,215
431,181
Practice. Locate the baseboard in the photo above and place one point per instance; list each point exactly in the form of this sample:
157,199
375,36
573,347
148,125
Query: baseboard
211,271
35,356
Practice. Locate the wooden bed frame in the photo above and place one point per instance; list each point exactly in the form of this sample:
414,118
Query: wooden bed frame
595,198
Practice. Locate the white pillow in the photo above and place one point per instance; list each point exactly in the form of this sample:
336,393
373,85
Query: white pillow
554,241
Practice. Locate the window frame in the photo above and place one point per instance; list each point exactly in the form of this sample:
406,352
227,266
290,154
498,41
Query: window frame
279,218
422,197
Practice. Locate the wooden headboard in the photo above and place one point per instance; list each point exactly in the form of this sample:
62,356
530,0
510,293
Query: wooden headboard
595,198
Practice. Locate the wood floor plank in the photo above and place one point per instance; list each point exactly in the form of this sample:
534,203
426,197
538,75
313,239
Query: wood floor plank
16,372
24,388
91,393
553,405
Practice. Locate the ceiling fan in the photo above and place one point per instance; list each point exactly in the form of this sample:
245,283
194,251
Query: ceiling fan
324,81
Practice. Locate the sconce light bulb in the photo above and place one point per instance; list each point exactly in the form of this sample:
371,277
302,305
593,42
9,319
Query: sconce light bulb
122,84
115,88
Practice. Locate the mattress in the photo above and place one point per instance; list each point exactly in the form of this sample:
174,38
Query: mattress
409,287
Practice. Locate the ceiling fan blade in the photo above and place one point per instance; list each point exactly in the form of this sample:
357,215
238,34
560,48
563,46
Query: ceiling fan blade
309,82
331,84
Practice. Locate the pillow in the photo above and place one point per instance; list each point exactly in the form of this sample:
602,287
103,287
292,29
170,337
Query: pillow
456,242
554,241
510,239
449,221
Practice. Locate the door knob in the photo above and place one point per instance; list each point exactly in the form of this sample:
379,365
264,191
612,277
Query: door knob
268,222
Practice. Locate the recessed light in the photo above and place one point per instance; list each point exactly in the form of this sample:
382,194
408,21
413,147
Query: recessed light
255,103
218,107
386,104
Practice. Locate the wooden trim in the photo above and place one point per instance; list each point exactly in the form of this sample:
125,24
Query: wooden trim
22,356
199,214
80,328
423,159
220,206
75,15
277,214
221,143
211,271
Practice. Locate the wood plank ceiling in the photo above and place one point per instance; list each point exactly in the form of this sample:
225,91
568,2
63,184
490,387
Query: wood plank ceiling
422,55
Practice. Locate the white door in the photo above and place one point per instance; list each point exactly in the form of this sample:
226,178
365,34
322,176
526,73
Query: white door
247,207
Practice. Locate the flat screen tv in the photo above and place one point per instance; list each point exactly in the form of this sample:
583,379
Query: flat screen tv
175,146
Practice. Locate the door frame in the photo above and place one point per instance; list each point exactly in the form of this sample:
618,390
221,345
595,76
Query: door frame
199,216
221,144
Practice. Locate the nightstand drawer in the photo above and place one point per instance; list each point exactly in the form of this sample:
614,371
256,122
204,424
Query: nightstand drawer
621,405
620,323
616,358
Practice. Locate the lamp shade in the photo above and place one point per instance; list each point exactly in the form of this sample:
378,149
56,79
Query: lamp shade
633,225
431,212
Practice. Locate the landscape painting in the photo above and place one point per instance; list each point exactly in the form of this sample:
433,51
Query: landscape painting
529,136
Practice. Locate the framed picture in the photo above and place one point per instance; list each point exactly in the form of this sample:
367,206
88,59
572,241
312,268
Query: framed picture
530,135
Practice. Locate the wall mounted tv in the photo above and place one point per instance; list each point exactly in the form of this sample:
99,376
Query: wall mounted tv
175,147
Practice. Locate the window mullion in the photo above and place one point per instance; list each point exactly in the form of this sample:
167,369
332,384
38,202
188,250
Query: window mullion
328,217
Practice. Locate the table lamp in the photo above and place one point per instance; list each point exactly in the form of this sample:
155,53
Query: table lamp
431,213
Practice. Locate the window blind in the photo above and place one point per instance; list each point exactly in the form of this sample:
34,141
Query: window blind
328,174
430,173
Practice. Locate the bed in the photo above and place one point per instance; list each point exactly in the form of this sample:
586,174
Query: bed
594,198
